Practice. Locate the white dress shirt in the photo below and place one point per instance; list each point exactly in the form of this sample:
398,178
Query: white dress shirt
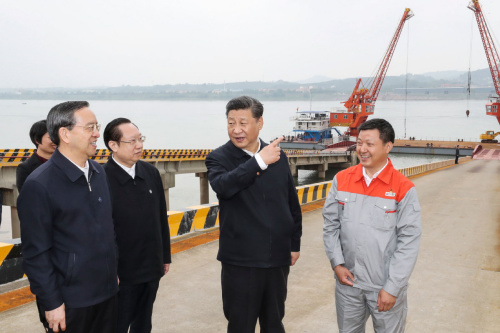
130,171
260,161
368,180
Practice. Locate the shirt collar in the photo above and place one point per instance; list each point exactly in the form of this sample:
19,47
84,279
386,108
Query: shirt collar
250,153
72,171
42,159
238,152
368,178
85,169
130,171
384,174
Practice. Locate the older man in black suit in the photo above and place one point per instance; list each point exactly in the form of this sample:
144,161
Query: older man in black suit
141,225
260,221
69,249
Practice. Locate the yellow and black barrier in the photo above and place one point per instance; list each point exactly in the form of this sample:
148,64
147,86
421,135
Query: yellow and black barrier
11,261
16,156
181,222
202,217
195,218
314,192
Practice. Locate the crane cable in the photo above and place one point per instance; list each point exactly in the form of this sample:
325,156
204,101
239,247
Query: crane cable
406,82
469,77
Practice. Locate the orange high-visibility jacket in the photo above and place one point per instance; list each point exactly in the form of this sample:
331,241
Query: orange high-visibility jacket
373,231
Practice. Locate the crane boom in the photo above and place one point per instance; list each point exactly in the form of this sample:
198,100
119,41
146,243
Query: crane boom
489,46
361,103
384,66
493,107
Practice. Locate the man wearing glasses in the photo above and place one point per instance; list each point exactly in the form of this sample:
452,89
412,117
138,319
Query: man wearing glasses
141,225
67,233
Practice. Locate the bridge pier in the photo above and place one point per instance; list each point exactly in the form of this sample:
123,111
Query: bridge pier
293,169
203,187
9,198
15,223
168,180
322,168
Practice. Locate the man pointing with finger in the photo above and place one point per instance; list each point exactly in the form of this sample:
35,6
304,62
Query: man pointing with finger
260,221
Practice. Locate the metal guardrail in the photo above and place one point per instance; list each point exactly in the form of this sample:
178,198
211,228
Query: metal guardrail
14,157
415,170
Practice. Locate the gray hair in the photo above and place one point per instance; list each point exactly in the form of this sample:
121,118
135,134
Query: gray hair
63,115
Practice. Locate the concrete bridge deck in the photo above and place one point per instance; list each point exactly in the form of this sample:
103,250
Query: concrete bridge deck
169,162
455,286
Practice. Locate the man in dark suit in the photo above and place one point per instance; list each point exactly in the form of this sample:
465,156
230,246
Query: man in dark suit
44,149
260,221
67,234
141,225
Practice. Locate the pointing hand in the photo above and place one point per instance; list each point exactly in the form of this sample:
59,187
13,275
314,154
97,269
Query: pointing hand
271,153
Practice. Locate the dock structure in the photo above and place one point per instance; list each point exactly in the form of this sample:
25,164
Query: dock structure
169,163
424,147
455,286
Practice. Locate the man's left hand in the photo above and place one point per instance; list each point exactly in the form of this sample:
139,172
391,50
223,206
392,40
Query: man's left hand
385,301
166,267
295,257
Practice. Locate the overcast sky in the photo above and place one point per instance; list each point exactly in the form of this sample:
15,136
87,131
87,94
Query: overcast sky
119,42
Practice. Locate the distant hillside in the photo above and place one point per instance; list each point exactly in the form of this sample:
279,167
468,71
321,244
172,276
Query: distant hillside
481,77
445,75
316,79
453,82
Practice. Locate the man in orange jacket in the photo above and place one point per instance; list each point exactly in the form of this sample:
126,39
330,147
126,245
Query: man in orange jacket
372,235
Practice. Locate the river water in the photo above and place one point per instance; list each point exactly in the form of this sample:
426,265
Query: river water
202,125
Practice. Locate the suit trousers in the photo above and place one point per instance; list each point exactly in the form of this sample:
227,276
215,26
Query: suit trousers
249,293
98,318
355,305
135,306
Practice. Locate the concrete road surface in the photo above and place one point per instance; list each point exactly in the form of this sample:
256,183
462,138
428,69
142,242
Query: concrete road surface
455,286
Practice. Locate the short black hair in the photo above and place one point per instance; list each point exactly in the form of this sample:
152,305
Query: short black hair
246,102
63,115
37,132
383,126
112,132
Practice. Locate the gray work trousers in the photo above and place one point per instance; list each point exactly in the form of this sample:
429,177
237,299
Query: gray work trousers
355,305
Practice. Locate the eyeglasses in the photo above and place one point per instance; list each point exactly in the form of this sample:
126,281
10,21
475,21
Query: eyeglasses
90,128
133,142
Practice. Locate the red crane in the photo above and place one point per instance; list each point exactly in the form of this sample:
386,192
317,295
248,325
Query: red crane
361,103
493,106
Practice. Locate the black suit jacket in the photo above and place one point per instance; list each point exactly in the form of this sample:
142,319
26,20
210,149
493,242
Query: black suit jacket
141,222
68,241
24,169
260,216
